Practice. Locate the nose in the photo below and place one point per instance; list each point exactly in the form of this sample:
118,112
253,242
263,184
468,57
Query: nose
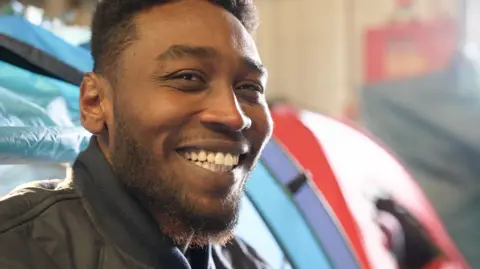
224,113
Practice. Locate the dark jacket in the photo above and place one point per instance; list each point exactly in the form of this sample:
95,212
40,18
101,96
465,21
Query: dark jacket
88,221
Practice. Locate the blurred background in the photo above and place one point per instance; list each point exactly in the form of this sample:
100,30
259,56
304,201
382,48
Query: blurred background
405,71
320,53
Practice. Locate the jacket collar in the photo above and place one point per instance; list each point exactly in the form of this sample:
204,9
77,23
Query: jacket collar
121,219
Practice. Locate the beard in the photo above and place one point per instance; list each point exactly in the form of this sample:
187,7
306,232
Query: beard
160,189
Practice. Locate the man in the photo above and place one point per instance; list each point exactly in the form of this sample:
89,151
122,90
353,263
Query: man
177,108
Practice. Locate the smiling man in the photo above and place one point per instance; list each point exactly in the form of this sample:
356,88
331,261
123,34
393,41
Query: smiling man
177,110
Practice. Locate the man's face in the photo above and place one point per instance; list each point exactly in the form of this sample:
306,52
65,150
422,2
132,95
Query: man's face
189,117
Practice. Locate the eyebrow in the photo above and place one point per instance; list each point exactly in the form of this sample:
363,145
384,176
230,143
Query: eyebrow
178,52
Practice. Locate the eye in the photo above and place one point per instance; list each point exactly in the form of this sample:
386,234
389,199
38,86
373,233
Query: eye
186,80
250,87
187,76
252,92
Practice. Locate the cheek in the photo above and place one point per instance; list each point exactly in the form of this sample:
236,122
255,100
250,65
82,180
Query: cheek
150,112
156,122
262,125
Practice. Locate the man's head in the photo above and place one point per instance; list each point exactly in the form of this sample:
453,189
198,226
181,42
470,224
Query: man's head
177,103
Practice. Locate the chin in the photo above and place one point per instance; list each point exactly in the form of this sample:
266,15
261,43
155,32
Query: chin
215,210
208,226
200,219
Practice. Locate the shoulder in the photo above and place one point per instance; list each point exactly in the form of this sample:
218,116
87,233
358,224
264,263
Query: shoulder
28,201
30,219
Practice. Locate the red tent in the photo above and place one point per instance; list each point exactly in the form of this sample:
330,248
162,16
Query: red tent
380,207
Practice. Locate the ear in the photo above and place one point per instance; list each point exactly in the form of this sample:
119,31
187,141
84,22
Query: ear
95,103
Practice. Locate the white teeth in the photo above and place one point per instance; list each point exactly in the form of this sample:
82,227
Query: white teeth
206,165
202,156
219,158
213,161
214,167
228,160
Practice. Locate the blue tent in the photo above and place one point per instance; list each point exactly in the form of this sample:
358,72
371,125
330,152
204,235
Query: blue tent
292,227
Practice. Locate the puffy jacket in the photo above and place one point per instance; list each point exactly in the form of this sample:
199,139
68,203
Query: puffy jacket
88,221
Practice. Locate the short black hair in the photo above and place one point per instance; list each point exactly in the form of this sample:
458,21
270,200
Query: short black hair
113,27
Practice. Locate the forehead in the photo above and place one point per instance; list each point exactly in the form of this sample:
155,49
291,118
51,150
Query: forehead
195,23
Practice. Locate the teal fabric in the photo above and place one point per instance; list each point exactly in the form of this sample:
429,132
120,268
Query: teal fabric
39,118
253,229
32,92
286,222
19,28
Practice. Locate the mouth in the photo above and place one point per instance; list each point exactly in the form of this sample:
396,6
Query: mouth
213,161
